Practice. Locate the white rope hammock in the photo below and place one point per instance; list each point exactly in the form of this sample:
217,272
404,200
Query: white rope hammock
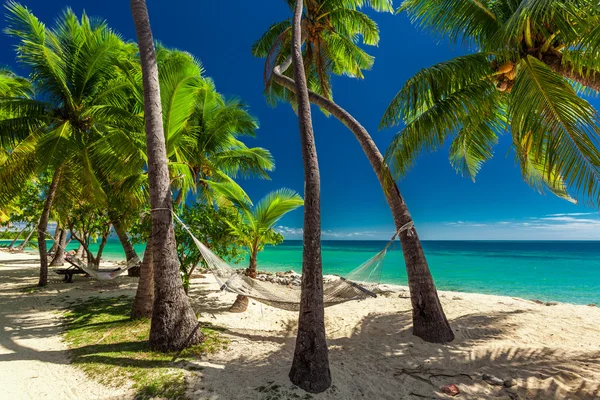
359,284
91,270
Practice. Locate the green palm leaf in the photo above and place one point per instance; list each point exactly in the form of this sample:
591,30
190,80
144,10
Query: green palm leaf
545,106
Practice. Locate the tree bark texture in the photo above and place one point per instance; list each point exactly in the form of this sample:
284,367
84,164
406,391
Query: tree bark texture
128,248
59,255
586,77
144,297
310,366
43,225
173,319
24,242
12,244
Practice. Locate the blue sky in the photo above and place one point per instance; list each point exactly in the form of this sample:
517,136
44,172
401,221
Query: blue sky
499,205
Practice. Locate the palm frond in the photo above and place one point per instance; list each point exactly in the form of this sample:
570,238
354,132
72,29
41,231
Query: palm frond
433,84
456,20
274,206
564,127
430,128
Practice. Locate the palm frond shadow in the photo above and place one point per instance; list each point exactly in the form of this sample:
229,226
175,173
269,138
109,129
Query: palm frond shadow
384,345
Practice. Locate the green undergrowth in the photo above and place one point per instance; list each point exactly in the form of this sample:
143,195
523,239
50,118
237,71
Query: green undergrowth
114,350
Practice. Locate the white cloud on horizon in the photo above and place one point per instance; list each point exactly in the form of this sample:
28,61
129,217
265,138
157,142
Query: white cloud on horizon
571,214
564,226
296,233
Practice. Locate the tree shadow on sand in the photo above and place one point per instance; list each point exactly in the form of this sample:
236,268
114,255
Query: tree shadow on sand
380,359
407,367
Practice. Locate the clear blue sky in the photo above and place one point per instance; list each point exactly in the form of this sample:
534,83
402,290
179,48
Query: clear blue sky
444,205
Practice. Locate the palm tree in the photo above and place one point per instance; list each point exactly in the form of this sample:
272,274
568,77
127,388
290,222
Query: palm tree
310,367
201,131
331,32
533,64
174,323
257,229
72,70
11,86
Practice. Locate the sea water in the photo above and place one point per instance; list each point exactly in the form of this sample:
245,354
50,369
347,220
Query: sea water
566,271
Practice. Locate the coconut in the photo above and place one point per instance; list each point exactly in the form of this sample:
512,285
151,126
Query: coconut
502,86
506,67
511,74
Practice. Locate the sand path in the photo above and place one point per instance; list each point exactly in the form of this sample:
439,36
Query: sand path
550,352
33,357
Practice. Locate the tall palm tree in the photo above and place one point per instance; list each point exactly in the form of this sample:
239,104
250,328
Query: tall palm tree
534,63
174,323
72,70
201,130
310,366
331,30
257,229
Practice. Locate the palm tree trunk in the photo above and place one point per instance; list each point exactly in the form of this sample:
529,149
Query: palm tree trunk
252,267
173,319
12,244
179,197
24,242
429,321
241,302
101,248
310,367
43,225
79,253
130,253
144,297
59,256
585,76
56,239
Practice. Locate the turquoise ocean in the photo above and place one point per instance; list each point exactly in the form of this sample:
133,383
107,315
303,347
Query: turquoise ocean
566,271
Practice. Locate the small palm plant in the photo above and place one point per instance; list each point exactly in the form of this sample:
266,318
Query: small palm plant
257,229
534,63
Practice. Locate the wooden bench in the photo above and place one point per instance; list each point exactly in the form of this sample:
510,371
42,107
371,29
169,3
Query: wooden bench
69,272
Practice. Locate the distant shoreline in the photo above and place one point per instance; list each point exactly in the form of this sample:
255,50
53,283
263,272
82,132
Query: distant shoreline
456,270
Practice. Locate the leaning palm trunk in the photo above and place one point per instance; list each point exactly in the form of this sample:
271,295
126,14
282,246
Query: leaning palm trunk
12,244
26,241
585,76
59,255
55,240
429,321
80,252
310,367
130,253
144,297
43,225
173,319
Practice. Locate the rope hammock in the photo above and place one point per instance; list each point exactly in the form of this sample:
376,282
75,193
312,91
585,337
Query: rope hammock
359,284
104,274
92,270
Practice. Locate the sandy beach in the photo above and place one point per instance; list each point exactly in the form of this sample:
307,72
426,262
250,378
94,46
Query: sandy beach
542,351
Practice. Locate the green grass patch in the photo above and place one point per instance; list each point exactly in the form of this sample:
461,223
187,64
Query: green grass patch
114,350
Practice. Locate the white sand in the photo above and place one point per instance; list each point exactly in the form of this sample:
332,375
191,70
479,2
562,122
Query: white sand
551,352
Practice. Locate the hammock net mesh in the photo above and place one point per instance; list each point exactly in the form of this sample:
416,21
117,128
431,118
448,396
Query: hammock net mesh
357,285
105,274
